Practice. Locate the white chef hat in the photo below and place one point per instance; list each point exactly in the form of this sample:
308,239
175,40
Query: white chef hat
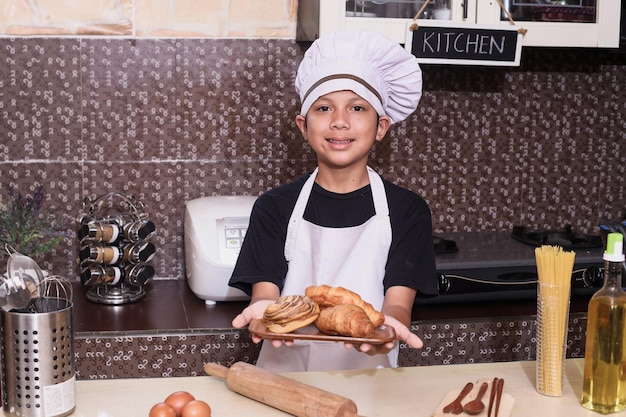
374,67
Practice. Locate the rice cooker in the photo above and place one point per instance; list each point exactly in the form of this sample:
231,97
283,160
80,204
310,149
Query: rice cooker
214,230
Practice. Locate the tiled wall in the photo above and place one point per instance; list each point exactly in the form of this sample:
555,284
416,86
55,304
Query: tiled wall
170,119
184,354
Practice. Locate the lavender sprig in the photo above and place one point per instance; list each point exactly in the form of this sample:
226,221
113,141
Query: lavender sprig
25,228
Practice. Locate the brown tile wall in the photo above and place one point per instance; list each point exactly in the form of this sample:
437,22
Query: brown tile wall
169,120
174,354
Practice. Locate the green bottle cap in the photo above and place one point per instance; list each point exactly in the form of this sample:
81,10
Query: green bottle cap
614,248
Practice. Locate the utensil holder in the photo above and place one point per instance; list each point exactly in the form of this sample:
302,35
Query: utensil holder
38,375
552,323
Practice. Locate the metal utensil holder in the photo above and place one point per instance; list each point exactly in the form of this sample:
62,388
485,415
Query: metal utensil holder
37,346
115,250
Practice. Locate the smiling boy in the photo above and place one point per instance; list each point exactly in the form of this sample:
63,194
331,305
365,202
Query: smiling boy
343,225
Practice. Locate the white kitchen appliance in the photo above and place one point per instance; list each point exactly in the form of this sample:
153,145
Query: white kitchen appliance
214,231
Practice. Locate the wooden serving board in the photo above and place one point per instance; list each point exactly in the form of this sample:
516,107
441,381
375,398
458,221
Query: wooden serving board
506,404
381,335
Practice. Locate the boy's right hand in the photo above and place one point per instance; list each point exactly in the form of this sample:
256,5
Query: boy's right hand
253,311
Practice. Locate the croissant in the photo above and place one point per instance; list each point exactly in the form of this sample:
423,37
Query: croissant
289,313
345,320
326,296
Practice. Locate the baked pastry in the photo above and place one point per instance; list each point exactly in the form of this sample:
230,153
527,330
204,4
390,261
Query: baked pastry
345,320
289,313
326,296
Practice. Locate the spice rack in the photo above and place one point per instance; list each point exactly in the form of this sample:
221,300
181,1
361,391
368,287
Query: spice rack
115,249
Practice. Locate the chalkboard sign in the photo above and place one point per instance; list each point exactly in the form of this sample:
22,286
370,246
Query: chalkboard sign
441,43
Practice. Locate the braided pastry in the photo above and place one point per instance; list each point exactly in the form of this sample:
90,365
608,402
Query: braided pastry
345,320
289,313
326,296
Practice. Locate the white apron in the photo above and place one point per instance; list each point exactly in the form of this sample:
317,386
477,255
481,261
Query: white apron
351,257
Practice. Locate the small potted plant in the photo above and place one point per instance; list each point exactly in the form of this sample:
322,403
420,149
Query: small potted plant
25,228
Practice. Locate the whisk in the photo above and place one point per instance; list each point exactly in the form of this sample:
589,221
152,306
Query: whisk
53,293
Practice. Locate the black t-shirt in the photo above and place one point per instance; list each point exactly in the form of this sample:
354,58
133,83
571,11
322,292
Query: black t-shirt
411,259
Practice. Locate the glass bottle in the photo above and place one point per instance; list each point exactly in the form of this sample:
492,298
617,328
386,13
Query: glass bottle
139,230
100,232
604,379
100,254
96,274
138,274
138,252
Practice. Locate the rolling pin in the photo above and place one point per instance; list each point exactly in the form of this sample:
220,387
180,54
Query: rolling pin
280,392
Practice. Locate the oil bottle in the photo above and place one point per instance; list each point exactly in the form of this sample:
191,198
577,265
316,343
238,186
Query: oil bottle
604,379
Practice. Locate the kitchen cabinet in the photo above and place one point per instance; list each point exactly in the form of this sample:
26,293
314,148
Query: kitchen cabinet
318,17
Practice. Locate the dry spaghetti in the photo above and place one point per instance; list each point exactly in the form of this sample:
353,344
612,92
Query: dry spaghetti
554,271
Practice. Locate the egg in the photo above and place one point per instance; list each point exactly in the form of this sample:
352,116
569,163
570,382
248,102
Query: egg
162,410
178,400
196,408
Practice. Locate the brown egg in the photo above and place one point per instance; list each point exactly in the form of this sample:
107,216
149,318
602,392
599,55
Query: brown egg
196,408
162,410
178,400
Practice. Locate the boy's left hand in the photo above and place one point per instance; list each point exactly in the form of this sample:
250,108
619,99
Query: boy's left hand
402,333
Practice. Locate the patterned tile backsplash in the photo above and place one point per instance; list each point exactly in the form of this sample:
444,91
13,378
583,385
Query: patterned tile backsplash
185,353
169,120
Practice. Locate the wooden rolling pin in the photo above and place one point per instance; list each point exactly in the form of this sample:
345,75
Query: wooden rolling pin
280,392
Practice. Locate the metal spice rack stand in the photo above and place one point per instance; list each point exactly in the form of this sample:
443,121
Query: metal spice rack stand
115,249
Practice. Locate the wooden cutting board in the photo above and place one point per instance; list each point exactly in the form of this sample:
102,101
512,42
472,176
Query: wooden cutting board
506,404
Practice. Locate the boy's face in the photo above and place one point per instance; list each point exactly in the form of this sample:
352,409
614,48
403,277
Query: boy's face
341,128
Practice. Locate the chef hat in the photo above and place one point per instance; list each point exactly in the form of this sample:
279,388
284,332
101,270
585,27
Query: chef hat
374,67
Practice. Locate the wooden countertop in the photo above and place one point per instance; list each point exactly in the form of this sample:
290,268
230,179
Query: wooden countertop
411,391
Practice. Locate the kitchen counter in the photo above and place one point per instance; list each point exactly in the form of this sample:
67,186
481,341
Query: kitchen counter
398,392
171,332
170,305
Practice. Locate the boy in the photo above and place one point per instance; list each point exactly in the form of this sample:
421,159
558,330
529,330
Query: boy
342,225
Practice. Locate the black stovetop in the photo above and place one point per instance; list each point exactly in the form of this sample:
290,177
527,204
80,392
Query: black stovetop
566,238
493,266
486,250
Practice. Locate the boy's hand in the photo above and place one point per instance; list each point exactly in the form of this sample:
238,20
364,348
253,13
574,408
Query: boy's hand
253,311
402,333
